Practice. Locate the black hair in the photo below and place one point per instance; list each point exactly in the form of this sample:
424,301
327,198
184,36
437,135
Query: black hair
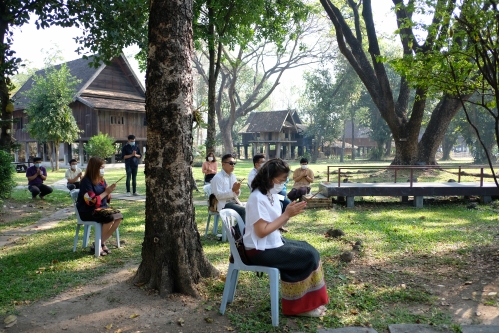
131,137
73,160
226,157
213,155
263,181
36,159
257,157
304,160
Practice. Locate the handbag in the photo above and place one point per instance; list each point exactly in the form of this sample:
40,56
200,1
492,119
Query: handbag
238,240
107,212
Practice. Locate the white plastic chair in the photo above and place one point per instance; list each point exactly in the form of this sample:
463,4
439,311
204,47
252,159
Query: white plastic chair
208,190
229,217
87,225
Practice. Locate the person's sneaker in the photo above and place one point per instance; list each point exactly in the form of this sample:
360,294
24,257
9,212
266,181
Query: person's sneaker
128,194
136,194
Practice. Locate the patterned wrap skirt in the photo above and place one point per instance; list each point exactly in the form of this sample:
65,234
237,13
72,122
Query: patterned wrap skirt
302,281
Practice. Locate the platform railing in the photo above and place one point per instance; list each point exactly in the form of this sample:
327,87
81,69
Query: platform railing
412,168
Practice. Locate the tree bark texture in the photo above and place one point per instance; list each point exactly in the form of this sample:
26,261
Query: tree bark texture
6,118
172,254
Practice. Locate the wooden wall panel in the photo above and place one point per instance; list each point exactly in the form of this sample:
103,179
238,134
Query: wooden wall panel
112,78
120,125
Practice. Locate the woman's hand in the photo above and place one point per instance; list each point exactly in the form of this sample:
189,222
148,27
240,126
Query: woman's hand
295,208
110,188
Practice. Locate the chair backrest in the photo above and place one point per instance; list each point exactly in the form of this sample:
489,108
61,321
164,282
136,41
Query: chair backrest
74,194
229,219
207,190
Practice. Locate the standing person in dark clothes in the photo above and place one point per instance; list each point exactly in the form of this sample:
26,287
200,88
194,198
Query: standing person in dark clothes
132,155
36,175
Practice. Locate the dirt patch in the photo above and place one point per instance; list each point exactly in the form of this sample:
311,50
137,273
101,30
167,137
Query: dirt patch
12,210
113,304
468,293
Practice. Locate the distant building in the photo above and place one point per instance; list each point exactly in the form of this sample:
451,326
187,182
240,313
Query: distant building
109,99
275,134
362,141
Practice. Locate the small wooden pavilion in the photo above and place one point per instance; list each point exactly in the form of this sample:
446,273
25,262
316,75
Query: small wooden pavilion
275,134
109,99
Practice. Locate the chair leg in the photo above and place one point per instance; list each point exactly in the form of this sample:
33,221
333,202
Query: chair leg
208,224
86,234
117,235
224,238
75,242
216,224
227,289
97,241
232,286
274,288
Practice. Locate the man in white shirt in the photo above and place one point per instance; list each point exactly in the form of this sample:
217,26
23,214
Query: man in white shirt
258,161
73,175
226,188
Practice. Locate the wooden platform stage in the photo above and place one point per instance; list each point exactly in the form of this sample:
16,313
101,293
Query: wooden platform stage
404,190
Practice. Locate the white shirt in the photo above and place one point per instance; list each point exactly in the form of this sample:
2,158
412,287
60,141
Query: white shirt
222,188
251,176
70,174
259,207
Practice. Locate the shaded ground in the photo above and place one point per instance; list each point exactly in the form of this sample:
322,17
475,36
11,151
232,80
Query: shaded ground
113,304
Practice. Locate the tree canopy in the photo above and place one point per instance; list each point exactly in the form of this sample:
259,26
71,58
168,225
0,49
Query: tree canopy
50,119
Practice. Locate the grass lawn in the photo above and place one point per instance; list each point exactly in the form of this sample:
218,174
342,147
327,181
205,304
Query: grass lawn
405,252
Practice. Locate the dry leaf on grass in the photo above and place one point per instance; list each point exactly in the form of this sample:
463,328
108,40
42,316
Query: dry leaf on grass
209,320
108,327
180,321
135,315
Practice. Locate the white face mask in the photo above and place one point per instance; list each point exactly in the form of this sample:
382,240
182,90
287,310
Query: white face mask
303,166
210,158
277,188
73,167
101,171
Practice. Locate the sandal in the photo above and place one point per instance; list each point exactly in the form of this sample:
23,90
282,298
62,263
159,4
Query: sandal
102,253
316,313
105,248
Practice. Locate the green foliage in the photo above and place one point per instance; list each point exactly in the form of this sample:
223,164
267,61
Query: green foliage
49,116
100,145
7,171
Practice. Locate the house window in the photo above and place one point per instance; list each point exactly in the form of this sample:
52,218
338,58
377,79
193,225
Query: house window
270,136
286,135
116,120
18,123
111,119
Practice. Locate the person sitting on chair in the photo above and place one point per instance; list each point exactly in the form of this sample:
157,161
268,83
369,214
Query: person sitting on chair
73,175
303,177
36,175
93,197
303,287
226,188
258,161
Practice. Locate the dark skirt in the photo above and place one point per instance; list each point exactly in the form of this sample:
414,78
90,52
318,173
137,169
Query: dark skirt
302,282
101,218
208,178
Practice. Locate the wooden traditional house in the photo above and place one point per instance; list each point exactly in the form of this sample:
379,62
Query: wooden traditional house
275,134
109,99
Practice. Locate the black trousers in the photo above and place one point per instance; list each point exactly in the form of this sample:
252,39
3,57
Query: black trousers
41,189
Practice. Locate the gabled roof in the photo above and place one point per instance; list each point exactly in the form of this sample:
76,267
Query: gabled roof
92,96
269,121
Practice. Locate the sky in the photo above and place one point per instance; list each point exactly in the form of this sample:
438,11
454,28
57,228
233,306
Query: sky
32,45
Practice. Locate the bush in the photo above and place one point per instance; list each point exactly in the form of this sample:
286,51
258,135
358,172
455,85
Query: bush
100,145
6,174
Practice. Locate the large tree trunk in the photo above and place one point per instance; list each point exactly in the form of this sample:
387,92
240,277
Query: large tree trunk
172,255
6,118
447,144
441,117
227,137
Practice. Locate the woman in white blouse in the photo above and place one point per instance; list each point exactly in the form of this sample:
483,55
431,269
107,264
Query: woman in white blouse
303,288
